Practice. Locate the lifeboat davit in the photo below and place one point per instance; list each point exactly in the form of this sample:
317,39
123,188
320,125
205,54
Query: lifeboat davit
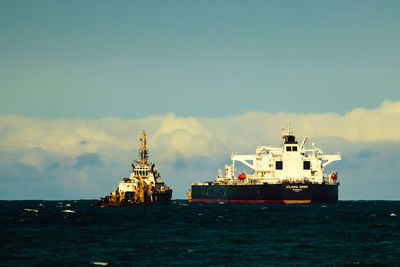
242,176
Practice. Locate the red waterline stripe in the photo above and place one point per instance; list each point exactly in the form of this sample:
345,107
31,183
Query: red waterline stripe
254,201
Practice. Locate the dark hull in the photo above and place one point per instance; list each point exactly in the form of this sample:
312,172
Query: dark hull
158,198
289,193
162,198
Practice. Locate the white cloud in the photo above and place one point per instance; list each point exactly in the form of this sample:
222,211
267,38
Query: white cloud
56,144
358,125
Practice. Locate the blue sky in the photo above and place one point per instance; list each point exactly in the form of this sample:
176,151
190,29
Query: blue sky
94,59
81,62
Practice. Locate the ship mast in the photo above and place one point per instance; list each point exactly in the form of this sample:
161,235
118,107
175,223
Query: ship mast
287,130
143,153
288,134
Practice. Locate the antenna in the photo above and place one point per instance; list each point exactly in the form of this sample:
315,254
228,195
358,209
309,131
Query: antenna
287,130
288,135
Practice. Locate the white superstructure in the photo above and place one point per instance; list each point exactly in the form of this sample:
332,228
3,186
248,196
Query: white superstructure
290,163
143,187
146,170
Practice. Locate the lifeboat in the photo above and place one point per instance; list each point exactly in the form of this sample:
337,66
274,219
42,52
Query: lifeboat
334,176
242,176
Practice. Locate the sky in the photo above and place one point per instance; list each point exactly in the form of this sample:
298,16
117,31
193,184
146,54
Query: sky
79,81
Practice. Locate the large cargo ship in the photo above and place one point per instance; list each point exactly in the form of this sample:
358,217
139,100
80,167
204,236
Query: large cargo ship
291,174
144,186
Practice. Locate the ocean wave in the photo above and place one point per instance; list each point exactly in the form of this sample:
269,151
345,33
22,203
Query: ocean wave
31,210
69,211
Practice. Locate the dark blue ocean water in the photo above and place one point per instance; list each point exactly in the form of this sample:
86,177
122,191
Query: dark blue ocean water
41,233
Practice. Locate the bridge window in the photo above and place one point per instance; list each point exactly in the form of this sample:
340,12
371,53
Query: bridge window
294,148
306,165
279,165
288,148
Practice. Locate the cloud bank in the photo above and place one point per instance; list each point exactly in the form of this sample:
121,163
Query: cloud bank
82,158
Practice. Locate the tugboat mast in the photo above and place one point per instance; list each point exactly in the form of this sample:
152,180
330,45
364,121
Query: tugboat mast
143,153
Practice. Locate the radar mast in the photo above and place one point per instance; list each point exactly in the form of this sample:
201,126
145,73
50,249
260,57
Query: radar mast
288,134
143,154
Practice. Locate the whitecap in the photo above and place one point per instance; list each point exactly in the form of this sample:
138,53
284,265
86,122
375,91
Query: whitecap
67,205
323,206
264,208
99,263
393,214
200,214
70,211
40,205
32,210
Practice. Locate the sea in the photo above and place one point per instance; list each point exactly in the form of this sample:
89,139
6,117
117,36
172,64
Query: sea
79,233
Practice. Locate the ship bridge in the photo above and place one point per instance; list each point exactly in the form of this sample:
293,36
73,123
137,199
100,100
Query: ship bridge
289,162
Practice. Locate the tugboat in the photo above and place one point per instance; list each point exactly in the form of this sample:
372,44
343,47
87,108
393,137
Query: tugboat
291,174
143,187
